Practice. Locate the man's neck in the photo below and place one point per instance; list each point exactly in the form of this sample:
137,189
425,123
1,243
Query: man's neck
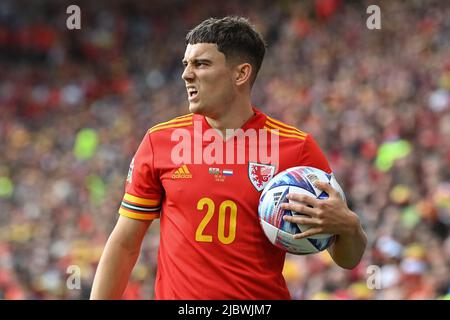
231,119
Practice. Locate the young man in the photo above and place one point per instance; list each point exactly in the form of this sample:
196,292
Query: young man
211,242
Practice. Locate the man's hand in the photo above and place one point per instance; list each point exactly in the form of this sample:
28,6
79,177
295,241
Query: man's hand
330,215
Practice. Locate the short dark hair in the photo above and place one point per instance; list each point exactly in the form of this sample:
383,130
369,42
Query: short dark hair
235,37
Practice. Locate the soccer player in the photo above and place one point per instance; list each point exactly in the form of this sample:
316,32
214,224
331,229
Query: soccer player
211,243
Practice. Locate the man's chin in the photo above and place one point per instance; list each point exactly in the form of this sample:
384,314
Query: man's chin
195,108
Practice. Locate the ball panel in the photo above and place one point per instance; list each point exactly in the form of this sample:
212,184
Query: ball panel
337,187
293,178
270,231
321,243
270,210
287,242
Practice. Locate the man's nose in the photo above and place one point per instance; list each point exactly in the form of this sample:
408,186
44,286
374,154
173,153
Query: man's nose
188,74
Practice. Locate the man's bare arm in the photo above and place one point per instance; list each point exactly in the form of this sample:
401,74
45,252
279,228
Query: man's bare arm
118,258
349,247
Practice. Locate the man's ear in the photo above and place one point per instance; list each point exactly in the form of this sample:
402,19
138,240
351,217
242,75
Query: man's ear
243,73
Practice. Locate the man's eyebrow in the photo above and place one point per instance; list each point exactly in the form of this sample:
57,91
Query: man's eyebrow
184,61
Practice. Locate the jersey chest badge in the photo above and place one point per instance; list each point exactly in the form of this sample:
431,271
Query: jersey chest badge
260,174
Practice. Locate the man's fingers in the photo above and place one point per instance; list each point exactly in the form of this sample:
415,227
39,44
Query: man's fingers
325,186
298,207
308,233
302,198
302,220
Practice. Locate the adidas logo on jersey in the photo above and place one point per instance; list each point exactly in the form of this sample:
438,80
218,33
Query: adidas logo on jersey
182,173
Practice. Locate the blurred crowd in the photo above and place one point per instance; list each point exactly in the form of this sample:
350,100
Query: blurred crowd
74,105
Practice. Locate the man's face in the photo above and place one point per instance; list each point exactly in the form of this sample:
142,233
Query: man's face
208,79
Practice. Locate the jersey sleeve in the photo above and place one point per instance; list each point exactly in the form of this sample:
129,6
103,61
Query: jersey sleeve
311,155
143,190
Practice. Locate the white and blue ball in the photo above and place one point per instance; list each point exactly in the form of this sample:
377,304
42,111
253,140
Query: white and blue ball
279,232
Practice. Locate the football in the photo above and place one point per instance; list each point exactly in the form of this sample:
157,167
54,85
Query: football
279,232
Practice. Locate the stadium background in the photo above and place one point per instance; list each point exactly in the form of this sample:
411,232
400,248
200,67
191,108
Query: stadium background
75,104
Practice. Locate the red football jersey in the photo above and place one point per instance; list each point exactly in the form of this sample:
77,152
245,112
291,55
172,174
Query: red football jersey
211,243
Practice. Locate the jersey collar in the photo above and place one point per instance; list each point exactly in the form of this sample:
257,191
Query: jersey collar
255,122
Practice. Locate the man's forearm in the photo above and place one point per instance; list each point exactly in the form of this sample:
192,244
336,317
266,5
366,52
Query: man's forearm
349,248
113,271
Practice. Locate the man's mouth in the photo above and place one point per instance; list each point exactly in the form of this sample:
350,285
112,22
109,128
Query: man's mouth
192,93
